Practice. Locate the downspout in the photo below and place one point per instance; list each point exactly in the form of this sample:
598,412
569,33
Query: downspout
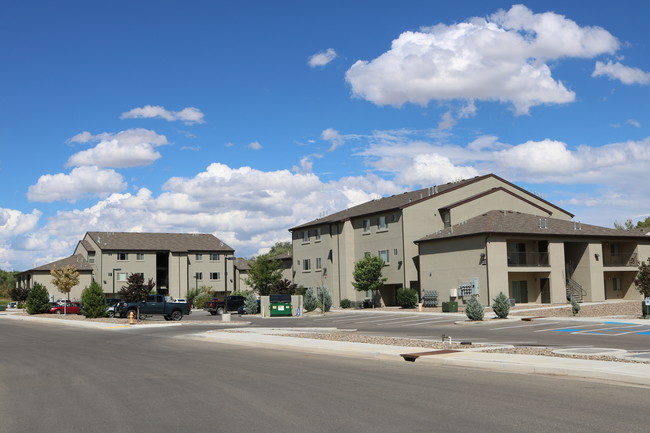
338,256
487,270
404,259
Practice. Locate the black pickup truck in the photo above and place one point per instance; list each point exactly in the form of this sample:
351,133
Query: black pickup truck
155,304
218,306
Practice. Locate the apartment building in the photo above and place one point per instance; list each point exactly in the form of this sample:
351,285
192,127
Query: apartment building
175,261
326,249
41,275
531,259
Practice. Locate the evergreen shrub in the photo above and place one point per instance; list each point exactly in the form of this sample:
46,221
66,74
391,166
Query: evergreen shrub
309,300
474,310
407,298
94,301
501,305
323,299
346,303
38,300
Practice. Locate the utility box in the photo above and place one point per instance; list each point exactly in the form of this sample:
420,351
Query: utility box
450,307
280,309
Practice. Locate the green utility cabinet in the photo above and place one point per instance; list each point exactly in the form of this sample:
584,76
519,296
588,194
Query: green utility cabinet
280,309
450,307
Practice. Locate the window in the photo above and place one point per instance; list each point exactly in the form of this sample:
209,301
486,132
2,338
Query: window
215,257
395,252
215,276
306,265
198,275
122,257
305,236
318,263
91,257
318,234
613,248
366,226
381,223
616,284
446,218
384,255
395,218
122,276
139,256
199,257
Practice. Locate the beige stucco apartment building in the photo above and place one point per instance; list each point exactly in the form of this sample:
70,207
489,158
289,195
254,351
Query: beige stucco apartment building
531,259
326,249
175,261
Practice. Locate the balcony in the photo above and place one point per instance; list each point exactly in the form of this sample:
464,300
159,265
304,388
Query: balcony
528,259
621,260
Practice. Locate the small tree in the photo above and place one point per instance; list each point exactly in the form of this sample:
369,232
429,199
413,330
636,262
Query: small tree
264,271
94,301
501,305
309,300
367,274
642,280
65,279
38,300
136,290
19,294
205,295
250,304
323,299
474,310
407,298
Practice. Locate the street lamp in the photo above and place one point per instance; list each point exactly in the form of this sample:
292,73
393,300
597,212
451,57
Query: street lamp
113,275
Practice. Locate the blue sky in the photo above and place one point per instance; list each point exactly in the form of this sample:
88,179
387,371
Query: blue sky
246,118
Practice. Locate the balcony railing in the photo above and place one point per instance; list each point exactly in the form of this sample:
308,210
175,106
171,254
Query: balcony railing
622,260
528,259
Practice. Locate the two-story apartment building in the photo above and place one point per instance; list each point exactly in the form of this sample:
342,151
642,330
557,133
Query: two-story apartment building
531,259
326,249
175,261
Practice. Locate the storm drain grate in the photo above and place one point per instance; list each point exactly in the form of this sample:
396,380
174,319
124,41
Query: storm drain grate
411,357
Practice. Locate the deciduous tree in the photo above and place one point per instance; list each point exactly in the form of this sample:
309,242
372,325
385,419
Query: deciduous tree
65,278
264,272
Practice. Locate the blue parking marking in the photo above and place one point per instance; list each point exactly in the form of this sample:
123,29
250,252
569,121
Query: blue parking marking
617,323
643,333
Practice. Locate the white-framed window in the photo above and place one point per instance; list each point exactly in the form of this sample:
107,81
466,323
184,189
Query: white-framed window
318,263
139,257
198,257
215,257
122,257
198,275
215,275
366,226
305,235
384,255
91,257
616,284
381,223
306,265
121,276
317,234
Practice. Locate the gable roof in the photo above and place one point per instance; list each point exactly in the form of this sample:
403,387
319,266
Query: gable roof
174,242
406,199
508,222
77,260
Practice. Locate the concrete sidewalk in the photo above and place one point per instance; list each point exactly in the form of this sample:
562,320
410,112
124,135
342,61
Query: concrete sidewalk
269,338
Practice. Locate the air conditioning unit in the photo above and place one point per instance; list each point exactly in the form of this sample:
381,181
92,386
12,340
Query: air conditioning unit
453,293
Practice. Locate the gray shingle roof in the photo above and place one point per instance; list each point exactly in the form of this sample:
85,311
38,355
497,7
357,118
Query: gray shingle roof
175,242
403,200
77,260
508,222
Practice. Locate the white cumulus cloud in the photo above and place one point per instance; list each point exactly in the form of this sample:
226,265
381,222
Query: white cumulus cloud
618,71
501,58
188,115
322,58
130,148
87,181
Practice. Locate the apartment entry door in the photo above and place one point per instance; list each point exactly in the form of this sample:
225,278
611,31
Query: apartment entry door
520,292
545,289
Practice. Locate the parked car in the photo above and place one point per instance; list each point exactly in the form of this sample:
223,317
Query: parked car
12,304
217,306
155,304
71,308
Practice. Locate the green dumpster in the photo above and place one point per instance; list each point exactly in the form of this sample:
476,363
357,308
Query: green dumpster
450,307
645,308
280,309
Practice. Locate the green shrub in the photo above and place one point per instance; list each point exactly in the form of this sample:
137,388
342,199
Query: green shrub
575,307
250,303
474,310
309,300
323,299
346,303
300,290
94,301
407,298
38,300
201,299
501,305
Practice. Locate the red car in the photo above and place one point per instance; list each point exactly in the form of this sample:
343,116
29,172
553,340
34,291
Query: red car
71,308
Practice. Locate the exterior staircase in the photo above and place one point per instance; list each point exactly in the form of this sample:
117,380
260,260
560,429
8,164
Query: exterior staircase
574,290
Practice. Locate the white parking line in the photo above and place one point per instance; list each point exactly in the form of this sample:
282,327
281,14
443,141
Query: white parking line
523,326
425,322
596,331
579,326
383,320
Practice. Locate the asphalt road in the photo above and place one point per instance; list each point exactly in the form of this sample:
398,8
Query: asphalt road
58,378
